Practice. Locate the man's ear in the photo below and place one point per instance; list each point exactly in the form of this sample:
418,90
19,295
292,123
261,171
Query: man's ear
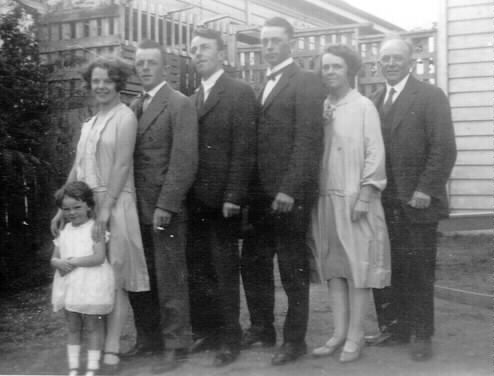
166,71
222,55
411,66
293,44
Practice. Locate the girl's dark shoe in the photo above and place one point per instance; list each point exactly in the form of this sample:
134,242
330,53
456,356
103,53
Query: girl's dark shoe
110,369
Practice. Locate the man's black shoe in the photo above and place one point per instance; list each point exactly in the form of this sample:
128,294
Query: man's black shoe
140,350
203,344
254,336
225,355
170,360
386,339
289,352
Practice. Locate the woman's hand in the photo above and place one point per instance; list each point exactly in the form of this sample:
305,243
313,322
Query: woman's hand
62,265
101,225
360,209
57,223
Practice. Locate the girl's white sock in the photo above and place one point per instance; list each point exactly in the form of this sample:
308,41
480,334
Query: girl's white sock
93,357
73,356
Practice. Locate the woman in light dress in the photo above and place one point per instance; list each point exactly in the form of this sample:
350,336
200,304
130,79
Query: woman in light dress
348,227
104,160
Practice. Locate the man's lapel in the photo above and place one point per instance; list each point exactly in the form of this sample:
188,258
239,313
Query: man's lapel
282,83
404,101
378,98
158,104
213,97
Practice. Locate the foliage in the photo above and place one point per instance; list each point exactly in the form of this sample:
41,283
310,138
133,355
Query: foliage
24,125
23,97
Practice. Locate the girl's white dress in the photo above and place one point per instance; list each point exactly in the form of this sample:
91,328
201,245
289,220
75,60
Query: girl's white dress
87,290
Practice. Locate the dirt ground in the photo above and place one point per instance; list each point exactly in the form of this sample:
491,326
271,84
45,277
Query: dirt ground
32,338
465,262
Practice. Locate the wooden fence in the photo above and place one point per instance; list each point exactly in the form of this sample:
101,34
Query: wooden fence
73,36
70,38
310,43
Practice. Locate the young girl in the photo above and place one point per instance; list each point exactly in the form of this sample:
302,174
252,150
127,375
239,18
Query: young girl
83,284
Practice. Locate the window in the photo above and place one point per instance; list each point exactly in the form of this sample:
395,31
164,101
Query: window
86,28
99,27
111,26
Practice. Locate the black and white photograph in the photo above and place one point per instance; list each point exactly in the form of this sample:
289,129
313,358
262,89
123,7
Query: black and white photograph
246,187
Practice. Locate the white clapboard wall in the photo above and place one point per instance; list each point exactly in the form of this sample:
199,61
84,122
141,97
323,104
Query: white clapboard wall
465,72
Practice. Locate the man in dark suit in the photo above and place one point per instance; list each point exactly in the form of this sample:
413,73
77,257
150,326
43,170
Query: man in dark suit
420,154
227,130
289,147
165,163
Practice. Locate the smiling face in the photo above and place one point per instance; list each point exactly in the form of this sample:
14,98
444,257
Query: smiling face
395,61
103,87
206,56
75,211
334,72
276,45
150,67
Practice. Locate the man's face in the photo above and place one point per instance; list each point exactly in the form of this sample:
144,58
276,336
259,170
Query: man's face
395,61
276,45
206,56
150,67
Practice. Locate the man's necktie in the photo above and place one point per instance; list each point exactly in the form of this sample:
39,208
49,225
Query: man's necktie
273,76
389,102
200,98
269,84
139,104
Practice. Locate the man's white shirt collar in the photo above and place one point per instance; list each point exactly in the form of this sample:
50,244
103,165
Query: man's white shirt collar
398,88
208,83
280,66
155,89
272,83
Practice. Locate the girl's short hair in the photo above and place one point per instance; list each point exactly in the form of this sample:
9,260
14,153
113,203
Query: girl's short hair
118,71
349,55
77,190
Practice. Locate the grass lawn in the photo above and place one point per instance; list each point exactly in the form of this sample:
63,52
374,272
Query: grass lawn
465,262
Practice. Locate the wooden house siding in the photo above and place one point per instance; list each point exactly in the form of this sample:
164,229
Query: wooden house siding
466,28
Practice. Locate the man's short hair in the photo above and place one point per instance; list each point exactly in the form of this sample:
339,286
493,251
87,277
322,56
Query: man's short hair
281,22
391,36
147,44
210,34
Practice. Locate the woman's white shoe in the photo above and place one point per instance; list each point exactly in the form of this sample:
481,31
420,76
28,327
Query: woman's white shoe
328,348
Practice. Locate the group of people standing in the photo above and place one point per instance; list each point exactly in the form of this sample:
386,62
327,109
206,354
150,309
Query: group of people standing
165,182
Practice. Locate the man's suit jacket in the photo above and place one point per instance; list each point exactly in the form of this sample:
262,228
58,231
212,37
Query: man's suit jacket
422,148
165,157
227,133
290,136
